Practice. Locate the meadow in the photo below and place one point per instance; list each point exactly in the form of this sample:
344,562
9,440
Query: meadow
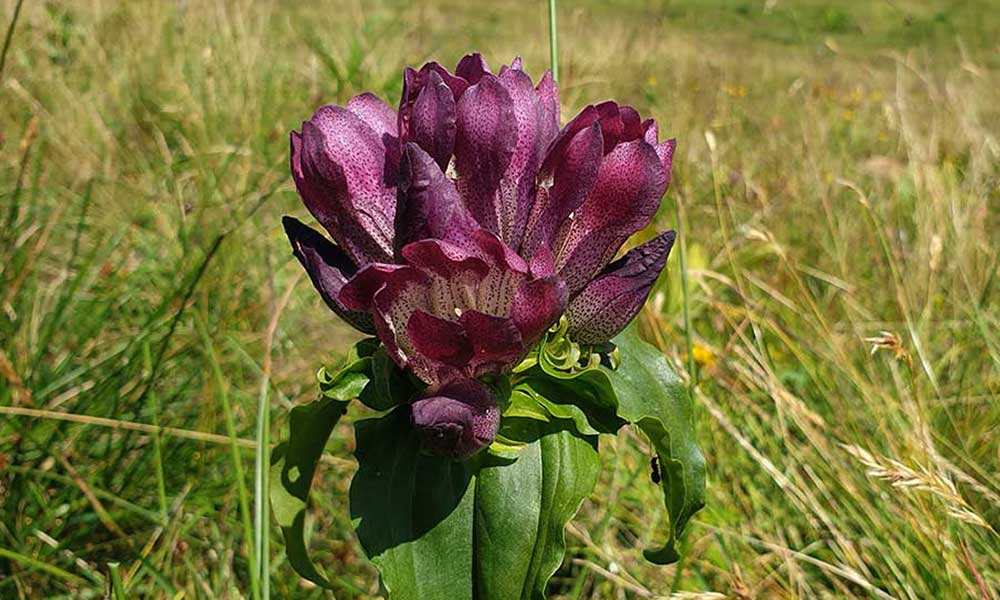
837,192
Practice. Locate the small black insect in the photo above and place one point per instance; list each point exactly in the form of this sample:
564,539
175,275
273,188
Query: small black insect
654,469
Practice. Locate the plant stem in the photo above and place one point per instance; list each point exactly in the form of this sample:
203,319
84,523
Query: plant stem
10,35
261,524
161,486
116,581
553,41
682,252
227,413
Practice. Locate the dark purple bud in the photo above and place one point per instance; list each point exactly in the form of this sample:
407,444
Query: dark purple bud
606,306
456,420
328,268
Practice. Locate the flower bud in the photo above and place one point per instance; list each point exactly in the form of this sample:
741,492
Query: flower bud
457,419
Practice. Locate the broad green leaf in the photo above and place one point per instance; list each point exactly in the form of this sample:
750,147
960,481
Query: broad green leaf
529,402
521,511
652,396
589,391
350,380
481,530
293,464
643,390
390,385
412,512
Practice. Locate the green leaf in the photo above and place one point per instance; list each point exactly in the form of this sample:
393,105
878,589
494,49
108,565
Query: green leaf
293,464
390,385
483,529
528,402
589,391
351,379
652,396
521,511
412,512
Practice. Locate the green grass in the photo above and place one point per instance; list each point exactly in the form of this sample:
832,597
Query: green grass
837,176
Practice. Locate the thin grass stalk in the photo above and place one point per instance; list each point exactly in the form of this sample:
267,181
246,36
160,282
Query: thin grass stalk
118,590
161,485
261,524
692,373
553,41
9,36
248,531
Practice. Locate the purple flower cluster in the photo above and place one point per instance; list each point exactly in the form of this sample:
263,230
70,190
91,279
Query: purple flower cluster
467,222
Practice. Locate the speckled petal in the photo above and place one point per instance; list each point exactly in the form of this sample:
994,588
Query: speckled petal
472,67
548,95
438,339
606,306
339,164
537,305
432,120
405,292
496,341
376,114
624,199
328,268
568,176
444,259
517,187
358,293
484,144
428,204
665,152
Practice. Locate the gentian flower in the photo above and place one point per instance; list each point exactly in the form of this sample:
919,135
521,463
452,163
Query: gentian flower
467,222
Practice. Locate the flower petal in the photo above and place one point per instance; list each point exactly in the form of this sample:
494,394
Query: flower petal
537,305
428,204
495,340
431,122
472,67
328,268
606,306
548,95
484,144
619,124
569,174
376,114
339,167
439,339
665,152
444,259
359,292
624,199
518,183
